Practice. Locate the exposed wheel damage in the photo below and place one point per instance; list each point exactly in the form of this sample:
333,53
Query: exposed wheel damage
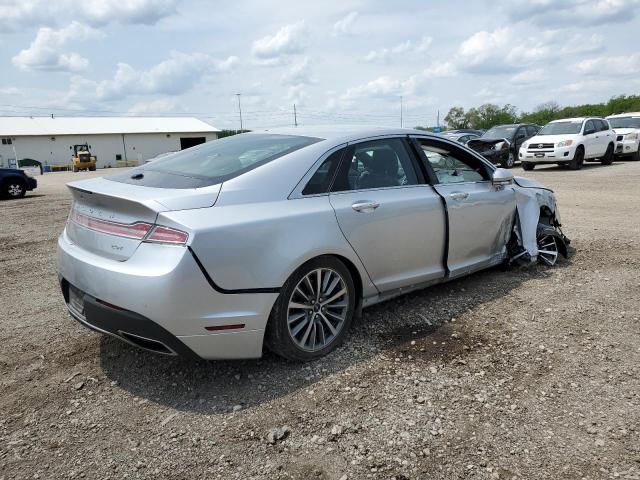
537,233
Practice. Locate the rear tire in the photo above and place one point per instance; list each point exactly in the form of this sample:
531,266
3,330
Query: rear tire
636,156
578,159
608,156
14,189
528,166
310,318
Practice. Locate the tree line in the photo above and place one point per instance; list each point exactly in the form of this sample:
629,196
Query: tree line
489,114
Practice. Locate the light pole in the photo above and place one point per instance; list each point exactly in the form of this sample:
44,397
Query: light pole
239,111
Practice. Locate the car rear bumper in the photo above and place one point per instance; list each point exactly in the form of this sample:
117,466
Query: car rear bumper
160,294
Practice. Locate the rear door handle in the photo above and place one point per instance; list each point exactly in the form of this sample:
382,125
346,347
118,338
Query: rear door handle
365,206
459,195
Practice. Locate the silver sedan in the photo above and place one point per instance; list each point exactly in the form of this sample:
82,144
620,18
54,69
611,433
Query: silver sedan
282,237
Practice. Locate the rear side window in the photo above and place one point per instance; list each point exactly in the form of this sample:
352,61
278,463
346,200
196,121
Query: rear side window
603,125
321,179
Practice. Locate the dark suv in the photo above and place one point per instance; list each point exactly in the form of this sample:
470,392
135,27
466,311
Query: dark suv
14,183
500,144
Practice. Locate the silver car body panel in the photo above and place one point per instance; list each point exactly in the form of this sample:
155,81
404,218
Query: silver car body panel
249,234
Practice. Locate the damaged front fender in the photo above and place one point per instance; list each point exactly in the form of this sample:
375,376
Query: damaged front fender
535,206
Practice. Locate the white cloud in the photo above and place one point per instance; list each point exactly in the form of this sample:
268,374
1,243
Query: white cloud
274,49
610,65
17,14
158,105
384,86
45,53
298,74
527,78
176,75
344,26
407,47
507,50
554,13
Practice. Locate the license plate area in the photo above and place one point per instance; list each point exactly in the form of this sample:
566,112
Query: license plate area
76,301
539,155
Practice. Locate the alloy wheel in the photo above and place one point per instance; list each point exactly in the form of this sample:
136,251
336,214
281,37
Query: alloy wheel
14,190
317,309
548,250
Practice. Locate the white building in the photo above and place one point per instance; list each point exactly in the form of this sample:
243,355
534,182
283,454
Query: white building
113,140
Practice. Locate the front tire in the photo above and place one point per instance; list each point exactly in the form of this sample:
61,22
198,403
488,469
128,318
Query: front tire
578,160
528,166
313,312
14,189
508,162
608,156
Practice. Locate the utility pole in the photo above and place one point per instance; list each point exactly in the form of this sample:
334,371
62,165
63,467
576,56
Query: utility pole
438,119
295,115
400,111
239,111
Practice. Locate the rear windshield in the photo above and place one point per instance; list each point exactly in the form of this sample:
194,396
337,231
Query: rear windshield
561,128
230,156
500,132
624,122
214,162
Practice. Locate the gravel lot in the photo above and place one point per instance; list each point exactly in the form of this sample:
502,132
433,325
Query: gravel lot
524,373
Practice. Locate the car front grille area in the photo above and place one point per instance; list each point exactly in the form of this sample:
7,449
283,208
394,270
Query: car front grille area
540,146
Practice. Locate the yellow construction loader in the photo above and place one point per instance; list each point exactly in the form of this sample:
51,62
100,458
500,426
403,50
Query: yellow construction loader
82,158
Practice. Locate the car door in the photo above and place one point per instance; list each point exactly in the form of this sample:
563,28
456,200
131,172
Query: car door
604,135
480,214
519,138
590,142
394,221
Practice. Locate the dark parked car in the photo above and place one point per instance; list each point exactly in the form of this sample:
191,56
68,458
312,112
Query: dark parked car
14,183
501,143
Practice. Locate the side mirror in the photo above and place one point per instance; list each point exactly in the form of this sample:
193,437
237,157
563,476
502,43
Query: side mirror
589,132
501,176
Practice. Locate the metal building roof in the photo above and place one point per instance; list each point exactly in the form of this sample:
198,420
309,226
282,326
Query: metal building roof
18,126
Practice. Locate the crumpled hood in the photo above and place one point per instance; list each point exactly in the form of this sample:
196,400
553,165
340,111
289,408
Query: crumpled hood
528,183
481,144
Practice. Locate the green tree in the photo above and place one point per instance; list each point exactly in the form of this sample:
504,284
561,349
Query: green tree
456,118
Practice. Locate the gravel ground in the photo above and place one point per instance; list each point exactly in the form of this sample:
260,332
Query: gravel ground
517,373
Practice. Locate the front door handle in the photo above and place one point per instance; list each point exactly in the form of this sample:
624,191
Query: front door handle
365,206
459,195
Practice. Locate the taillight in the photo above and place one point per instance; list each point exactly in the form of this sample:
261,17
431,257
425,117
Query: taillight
136,230
139,230
161,234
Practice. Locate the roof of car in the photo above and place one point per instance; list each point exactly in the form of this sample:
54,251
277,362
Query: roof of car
338,132
628,114
573,119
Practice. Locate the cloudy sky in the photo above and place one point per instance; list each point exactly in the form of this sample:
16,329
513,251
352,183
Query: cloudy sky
345,61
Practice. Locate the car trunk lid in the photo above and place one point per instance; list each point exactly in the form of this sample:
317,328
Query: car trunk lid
111,219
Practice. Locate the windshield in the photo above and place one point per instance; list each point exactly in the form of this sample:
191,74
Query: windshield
624,122
500,132
561,128
230,156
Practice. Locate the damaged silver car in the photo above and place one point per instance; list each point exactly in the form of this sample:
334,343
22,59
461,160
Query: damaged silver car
280,238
